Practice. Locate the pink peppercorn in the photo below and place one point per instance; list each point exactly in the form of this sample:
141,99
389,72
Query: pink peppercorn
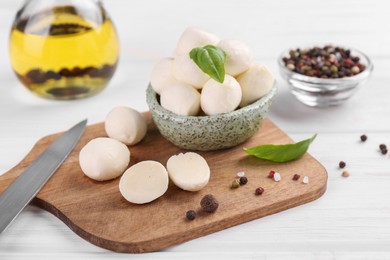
271,174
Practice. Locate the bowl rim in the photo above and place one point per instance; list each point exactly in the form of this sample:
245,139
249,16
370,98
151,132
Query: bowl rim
151,97
331,81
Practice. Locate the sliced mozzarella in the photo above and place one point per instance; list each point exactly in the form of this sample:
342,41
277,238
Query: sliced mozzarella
189,171
144,182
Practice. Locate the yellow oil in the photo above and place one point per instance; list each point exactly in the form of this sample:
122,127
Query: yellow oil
60,55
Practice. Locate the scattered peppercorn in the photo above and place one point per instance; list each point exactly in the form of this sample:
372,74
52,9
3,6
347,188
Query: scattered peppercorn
363,138
277,177
209,203
326,62
342,164
384,151
296,177
271,174
240,174
382,147
345,174
191,215
259,191
243,180
235,184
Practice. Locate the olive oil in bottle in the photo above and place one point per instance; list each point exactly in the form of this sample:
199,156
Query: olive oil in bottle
63,52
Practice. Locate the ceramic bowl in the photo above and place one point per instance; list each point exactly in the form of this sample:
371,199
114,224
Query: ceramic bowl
206,133
319,92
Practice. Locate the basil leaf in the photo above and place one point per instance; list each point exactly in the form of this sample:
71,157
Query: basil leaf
281,153
211,60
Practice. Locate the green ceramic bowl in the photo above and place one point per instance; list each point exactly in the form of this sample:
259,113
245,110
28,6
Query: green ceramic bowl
206,133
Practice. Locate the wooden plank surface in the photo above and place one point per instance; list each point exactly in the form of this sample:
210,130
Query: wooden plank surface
97,212
350,222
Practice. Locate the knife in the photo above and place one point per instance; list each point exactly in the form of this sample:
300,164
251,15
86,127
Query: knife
24,188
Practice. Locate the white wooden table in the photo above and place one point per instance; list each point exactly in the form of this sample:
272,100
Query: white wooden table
352,219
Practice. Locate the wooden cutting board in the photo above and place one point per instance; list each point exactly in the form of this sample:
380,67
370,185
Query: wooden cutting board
97,212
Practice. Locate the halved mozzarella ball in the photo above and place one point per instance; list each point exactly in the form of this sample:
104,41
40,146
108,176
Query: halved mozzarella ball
218,98
125,125
144,182
104,158
255,83
194,37
181,99
239,56
186,70
189,171
162,75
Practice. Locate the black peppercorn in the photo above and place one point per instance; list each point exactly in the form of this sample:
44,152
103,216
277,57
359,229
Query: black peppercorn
342,164
363,138
382,147
209,203
243,180
191,215
384,151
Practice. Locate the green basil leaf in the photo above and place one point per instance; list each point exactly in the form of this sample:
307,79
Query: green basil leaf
281,153
211,60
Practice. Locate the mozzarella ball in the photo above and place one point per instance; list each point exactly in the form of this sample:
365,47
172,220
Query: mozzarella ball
104,159
181,99
162,75
144,182
239,56
125,125
194,37
255,83
189,171
186,70
218,98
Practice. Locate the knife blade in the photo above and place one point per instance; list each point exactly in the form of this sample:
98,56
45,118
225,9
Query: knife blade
24,188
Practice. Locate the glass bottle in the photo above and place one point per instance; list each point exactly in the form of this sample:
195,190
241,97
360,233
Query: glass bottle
63,49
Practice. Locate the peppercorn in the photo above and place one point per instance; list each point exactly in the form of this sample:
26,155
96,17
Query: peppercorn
334,69
191,215
355,59
342,164
235,184
296,177
363,138
323,62
259,191
243,180
290,66
277,177
384,151
209,203
355,70
271,174
345,174
240,174
382,147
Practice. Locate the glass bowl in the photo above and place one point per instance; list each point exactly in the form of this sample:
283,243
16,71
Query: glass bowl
320,92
